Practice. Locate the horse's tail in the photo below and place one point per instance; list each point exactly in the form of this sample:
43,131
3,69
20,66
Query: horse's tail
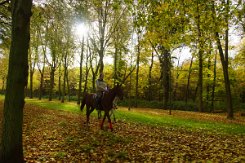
83,102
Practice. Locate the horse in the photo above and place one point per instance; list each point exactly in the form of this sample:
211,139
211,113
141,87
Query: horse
106,103
111,111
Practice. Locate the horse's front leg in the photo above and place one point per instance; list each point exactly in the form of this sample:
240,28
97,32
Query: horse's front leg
87,115
109,119
103,120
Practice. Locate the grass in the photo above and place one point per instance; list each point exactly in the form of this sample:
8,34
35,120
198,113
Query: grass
148,119
55,105
192,124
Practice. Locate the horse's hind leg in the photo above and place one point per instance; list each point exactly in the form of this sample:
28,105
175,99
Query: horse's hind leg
102,123
109,119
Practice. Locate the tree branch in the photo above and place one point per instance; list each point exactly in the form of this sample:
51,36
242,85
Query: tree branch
3,2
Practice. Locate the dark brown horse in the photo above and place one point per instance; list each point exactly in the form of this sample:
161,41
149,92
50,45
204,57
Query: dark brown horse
106,103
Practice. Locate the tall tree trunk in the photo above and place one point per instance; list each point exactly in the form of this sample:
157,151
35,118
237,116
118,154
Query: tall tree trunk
12,148
226,78
41,86
31,82
224,61
208,85
115,65
68,85
164,64
64,81
188,81
51,84
200,56
80,74
214,84
150,77
177,83
166,81
59,84
209,70
86,74
41,71
137,73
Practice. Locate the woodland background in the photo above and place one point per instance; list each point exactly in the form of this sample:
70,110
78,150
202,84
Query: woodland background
181,54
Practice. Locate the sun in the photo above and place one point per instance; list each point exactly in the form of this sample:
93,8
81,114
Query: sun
81,31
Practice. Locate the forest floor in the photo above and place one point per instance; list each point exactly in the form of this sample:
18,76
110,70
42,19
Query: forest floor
62,136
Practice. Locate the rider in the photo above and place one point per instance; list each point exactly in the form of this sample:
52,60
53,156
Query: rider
101,87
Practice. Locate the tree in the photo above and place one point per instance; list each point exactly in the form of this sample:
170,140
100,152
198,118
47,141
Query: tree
165,22
224,54
12,150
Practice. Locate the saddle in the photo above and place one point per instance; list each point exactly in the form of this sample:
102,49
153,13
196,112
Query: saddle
98,98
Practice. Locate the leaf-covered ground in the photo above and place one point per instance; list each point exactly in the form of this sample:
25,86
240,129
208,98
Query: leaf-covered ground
59,136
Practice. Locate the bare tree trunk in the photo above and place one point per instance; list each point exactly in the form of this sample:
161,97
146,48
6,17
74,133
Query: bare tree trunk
165,57
115,65
150,77
86,74
224,61
64,81
51,84
68,85
80,74
188,80
31,83
12,147
200,56
214,84
41,86
209,68
137,73
177,83
59,82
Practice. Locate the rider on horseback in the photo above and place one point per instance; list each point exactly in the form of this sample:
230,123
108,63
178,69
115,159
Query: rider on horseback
101,87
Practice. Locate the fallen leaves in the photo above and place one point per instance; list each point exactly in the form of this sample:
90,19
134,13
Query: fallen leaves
59,136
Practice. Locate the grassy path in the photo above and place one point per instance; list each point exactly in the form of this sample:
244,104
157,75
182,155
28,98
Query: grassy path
141,135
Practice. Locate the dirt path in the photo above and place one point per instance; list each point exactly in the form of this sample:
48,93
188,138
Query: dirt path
52,136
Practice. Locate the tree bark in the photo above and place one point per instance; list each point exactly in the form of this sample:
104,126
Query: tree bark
51,84
12,148
64,80
214,84
68,85
41,86
166,78
150,77
80,74
59,85
224,60
137,73
188,81
86,74
31,82
200,56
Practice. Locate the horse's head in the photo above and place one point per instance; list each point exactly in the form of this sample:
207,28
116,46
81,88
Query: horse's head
119,91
